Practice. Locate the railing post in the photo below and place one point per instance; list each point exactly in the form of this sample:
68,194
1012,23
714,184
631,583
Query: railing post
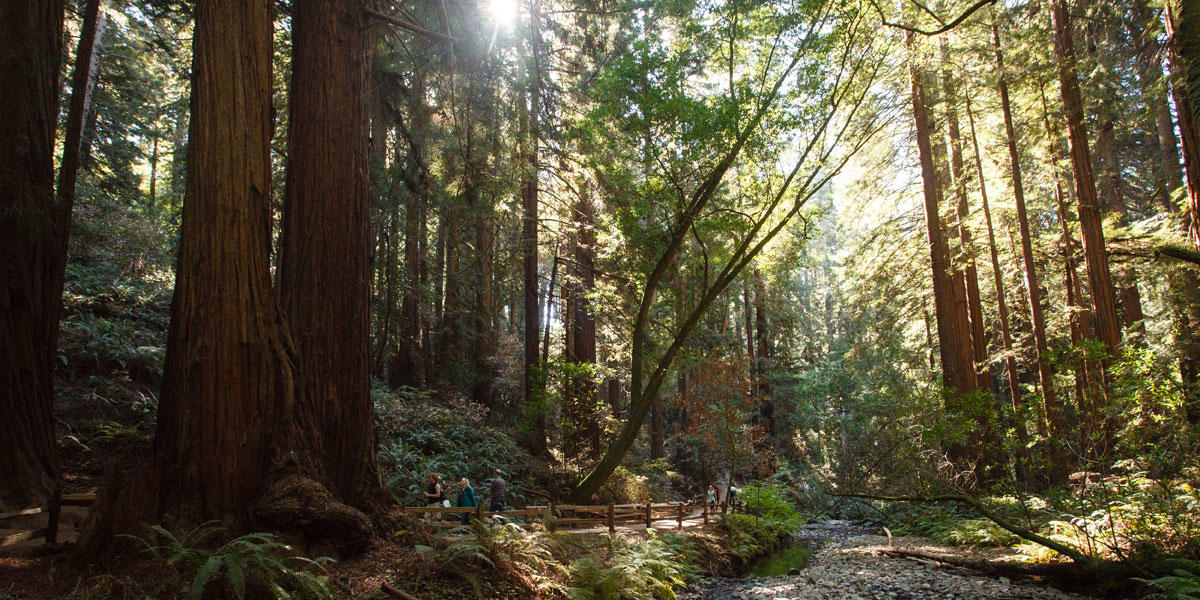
648,509
706,511
612,518
55,512
550,517
679,519
479,511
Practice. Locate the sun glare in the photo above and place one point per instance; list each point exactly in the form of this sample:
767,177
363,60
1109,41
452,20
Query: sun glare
503,11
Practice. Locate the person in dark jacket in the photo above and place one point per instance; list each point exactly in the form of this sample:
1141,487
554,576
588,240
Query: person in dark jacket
496,491
466,498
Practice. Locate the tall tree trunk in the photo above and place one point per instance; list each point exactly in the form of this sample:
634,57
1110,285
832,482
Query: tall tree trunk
224,347
324,273
949,295
766,409
1112,194
534,392
580,347
408,365
1100,283
1183,31
1099,277
1016,402
987,443
1050,400
1079,327
967,251
33,248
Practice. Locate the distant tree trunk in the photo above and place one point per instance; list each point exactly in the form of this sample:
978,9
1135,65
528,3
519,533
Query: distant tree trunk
1183,31
949,296
580,346
408,365
483,321
83,81
1095,256
1099,277
766,409
1017,404
450,328
1112,196
1050,401
547,300
534,402
1080,330
33,245
983,413
324,273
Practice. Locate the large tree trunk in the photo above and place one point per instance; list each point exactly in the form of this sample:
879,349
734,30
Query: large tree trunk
1099,277
1050,400
949,294
212,453
324,274
32,249
1104,309
766,409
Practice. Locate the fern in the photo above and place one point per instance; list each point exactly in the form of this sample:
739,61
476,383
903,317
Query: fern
251,561
1183,585
649,570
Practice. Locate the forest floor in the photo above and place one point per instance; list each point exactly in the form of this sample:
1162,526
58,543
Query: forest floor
847,564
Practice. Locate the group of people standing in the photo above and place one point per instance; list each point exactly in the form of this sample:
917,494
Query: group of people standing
436,493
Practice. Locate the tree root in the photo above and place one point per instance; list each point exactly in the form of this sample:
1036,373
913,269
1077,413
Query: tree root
295,503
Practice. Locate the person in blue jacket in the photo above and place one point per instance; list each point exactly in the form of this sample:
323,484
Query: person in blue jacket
466,498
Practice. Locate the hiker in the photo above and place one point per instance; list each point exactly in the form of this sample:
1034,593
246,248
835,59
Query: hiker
496,491
435,494
496,494
712,495
466,498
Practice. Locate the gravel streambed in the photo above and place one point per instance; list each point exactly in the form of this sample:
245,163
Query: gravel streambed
846,565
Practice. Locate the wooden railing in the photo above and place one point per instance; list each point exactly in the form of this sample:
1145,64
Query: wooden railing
53,510
577,516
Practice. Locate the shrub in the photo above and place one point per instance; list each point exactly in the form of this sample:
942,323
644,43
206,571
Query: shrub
770,504
624,487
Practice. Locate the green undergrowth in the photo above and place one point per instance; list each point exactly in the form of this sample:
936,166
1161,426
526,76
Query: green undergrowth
206,563
419,434
622,566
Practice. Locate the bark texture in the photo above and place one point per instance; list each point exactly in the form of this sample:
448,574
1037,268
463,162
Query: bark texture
32,249
324,276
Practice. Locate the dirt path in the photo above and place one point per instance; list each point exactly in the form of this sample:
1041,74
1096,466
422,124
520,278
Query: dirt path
848,567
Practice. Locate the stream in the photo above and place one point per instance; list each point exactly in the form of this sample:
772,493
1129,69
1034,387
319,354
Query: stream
838,560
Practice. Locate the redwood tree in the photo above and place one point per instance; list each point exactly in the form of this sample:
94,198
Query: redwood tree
324,274
1104,303
32,248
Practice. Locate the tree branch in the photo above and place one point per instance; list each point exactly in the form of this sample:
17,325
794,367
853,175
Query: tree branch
945,26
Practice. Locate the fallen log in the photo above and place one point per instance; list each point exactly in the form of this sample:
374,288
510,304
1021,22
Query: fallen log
989,567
